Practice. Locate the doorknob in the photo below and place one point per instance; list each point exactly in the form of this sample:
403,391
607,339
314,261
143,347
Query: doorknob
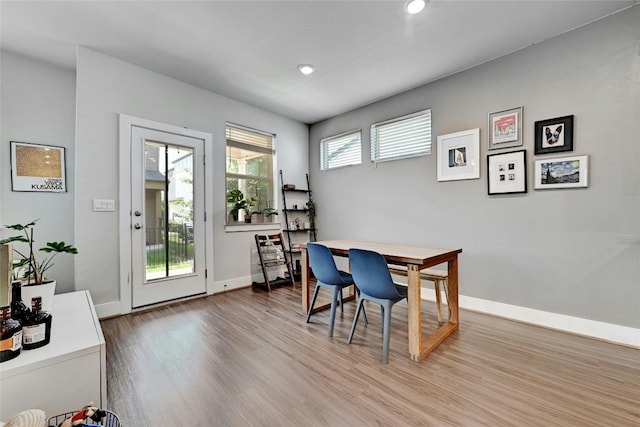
137,226
137,213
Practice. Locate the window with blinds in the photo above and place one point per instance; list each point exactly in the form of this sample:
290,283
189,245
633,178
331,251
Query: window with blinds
250,169
402,137
341,150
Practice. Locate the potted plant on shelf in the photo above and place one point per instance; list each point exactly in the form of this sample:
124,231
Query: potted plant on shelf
311,211
270,213
237,199
249,203
35,283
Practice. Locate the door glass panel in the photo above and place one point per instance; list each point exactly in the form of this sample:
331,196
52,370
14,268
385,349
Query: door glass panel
168,210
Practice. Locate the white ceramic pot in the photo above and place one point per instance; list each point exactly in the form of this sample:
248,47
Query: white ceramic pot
45,290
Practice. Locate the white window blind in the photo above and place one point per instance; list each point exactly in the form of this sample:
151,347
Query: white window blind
241,138
402,137
341,150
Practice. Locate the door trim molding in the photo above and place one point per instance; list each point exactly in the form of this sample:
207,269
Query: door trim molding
126,125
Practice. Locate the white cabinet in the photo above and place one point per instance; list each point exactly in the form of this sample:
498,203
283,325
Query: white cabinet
67,373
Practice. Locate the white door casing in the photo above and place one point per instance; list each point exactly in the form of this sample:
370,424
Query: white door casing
138,287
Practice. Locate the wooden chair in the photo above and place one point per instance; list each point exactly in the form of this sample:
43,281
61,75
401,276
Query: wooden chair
438,277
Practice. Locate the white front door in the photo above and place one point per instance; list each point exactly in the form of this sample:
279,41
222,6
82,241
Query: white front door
167,216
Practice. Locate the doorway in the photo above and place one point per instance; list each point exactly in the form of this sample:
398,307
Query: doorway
165,213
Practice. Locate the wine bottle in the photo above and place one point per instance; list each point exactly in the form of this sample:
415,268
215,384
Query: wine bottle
10,335
19,309
36,327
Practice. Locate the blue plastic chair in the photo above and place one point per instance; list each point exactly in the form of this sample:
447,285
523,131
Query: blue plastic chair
327,276
373,279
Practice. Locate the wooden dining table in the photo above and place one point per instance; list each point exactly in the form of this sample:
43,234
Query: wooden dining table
414,258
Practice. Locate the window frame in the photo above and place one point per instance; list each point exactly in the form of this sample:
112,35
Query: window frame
418,151
325,145
272,175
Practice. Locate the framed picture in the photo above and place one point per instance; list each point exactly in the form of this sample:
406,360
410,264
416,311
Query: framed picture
507,172
554,135
505,128
562,172
459,155
36,167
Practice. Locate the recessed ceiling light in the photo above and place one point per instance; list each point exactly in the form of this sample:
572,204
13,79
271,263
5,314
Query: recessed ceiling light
306,69
414,6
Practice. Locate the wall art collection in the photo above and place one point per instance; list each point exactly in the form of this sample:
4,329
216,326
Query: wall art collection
458,155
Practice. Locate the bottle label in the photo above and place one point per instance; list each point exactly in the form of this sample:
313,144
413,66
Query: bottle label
34,334
13,343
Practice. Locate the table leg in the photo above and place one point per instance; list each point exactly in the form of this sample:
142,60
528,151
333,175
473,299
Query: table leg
414,312
452,291
304,279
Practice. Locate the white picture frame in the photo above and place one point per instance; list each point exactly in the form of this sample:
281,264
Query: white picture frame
459,155
562,172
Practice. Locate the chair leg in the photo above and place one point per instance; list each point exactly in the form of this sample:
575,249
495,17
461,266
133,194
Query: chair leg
355,319
335,292
436,286
364,312
313,302
445,286
341,304
386,332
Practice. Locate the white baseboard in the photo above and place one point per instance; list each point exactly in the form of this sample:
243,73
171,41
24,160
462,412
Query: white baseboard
109,309
229,285
591,328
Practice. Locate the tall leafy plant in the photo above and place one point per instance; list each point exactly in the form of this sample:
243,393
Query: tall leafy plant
34,269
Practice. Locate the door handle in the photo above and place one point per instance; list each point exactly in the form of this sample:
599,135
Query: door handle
137,226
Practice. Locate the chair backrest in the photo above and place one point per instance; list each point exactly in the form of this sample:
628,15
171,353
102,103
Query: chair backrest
371,274
323,265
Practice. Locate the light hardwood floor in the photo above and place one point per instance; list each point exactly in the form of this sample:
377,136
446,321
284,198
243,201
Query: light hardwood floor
247,358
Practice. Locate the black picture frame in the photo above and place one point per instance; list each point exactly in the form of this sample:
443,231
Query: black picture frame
507,172
38,167
554,135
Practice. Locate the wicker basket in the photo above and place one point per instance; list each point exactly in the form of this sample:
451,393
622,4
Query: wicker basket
110,420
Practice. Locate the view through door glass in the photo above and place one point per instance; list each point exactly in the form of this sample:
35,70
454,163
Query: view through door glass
169,196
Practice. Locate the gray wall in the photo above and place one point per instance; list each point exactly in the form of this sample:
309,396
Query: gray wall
575,251
38,106
106,87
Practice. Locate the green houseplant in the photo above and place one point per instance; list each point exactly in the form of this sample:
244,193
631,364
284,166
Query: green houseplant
311,211
236,199
270,212
34,269
249,203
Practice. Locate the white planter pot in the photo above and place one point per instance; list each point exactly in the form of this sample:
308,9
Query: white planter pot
45,290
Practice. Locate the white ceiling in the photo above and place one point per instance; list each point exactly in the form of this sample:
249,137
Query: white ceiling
249,50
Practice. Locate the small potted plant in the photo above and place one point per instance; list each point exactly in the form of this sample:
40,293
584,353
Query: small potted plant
311,211
270,213
33,269
248,206
236,198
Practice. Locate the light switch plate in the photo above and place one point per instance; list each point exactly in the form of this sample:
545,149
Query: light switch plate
104,205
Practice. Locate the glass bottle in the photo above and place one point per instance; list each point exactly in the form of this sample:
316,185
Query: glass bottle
10,335
19,309
36,327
